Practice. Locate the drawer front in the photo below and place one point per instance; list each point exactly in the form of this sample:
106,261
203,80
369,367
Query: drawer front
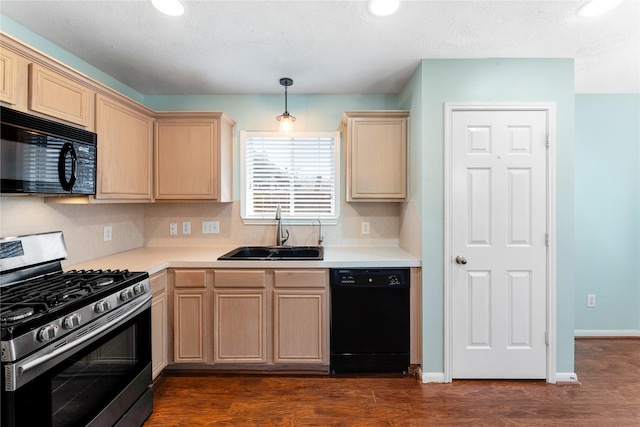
300,278
240,278
190,278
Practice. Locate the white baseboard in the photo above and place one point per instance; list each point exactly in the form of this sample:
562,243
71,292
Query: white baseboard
607,333
433,377
566,377
438,377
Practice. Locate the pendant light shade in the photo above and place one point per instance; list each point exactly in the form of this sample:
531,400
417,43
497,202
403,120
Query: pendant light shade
286,120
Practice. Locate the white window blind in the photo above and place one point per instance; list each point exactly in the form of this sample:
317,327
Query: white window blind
297,172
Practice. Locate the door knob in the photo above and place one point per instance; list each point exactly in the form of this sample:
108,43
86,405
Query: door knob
461,260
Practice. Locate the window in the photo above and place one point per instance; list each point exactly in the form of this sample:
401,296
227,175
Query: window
296,171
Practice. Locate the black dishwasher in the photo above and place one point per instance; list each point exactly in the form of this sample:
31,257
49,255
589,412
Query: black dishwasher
370,326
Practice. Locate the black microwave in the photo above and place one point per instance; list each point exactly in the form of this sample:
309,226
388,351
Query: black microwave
39,156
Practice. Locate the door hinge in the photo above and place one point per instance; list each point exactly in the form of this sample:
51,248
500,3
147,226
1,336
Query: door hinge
547,140
546,239
546,338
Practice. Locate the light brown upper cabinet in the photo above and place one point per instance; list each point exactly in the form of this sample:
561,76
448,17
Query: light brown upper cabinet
8,77
125,156
193,156
58,96
376,155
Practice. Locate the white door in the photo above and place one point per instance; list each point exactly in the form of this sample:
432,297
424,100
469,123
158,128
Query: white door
498,243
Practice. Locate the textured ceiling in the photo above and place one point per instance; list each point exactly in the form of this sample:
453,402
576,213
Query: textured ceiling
329,46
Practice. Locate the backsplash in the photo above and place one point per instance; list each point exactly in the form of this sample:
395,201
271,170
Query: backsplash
138,225
82,225
383,219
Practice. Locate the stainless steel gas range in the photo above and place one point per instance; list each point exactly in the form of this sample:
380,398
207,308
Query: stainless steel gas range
76,345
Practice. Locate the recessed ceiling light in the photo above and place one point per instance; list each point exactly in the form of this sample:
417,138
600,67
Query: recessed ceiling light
598,7
383,7
169,7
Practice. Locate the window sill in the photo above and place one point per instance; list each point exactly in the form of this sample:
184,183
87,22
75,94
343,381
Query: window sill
286,222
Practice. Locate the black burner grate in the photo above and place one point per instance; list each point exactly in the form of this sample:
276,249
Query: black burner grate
52,292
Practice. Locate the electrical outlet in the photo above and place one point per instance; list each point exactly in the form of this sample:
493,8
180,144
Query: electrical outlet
108,233
173,228
591,300
364,227
186,227
210,227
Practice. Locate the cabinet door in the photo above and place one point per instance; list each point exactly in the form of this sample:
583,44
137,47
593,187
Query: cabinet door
377,156
240,326
190,332
159,333
186,160
159,323
300,326
125,143
58,96
8,77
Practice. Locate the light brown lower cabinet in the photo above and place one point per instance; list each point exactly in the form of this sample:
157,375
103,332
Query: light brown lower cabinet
190,325
300,326
300,316
240,316
230,318
240,326
190,316
159,323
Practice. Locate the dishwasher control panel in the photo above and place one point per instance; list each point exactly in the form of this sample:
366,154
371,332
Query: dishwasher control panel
384,277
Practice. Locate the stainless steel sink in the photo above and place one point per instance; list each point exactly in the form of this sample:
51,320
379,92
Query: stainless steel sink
275,253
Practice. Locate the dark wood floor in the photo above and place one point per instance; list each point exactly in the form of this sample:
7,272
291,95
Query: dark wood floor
608,395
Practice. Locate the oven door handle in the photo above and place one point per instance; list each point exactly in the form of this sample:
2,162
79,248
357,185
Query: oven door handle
65,348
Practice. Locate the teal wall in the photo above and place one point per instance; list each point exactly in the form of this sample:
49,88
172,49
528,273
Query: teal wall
607,193
494,80
411,99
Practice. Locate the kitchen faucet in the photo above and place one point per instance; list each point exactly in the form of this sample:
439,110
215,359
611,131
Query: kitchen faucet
320,238
280,238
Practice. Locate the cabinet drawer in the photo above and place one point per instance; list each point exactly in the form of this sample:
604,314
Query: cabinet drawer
240,278
300,279
190,278
158,283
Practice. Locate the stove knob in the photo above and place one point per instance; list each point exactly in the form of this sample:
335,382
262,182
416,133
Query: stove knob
102,306
126,294
47,333
139,288
72,321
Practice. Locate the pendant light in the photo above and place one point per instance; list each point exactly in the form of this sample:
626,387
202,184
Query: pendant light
286,120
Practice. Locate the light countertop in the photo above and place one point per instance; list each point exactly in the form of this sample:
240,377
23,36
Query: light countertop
155,259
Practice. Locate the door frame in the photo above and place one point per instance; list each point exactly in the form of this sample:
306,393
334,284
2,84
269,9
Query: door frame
550,109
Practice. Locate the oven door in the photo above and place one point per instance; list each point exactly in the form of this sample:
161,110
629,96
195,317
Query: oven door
102,382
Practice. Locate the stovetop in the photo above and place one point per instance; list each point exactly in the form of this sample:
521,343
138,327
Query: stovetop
30,303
